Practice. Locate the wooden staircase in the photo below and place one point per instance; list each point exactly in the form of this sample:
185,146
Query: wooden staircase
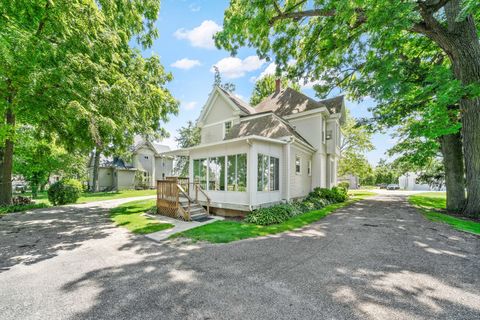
174,199
196,210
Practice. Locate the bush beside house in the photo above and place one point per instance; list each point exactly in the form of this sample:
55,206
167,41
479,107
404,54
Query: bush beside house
64,192
316,200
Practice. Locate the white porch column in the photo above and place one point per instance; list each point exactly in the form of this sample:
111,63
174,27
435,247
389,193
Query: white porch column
252,173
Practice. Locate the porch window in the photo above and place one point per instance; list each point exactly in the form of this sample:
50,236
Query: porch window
237,172
268,173
216,174
200,172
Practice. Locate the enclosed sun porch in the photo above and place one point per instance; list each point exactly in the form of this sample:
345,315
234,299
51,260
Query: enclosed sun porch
239,175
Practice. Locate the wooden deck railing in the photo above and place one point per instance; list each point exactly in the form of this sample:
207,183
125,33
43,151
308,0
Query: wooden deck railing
171,190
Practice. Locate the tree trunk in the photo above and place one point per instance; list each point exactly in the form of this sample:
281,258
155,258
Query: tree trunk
7,163
451,146
460,42
96,165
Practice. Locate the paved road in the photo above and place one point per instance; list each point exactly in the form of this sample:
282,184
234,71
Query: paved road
378,259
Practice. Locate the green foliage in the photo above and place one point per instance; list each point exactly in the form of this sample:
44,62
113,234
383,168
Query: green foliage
317,199
21,207
68,70
130,215
344,185
356,141
64,192
37,158
433,207
228,231
188,136
265,86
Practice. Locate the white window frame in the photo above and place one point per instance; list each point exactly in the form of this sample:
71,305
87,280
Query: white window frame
269,181
225,127
299,158
309,168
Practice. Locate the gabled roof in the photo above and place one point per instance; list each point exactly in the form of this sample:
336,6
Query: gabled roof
268,125
242,105
154,146
289,101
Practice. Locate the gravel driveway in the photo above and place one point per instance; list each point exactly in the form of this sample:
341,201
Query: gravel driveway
377,259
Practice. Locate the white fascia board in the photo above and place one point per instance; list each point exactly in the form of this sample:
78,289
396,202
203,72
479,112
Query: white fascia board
304,146
307,113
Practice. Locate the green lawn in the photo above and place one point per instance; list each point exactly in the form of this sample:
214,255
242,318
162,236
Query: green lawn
98,196
129,215
430,203
228,231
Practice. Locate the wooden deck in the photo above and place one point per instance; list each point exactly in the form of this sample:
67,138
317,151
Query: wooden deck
174,199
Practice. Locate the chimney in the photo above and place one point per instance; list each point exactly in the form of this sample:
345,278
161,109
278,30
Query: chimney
277,85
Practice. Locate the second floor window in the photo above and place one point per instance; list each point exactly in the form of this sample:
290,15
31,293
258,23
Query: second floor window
227,126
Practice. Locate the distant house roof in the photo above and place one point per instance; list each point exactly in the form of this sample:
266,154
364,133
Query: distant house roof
155,146
268,126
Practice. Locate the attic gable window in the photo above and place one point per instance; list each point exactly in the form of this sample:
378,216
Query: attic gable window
227,127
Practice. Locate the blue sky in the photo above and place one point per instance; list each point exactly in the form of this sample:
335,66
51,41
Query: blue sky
186,50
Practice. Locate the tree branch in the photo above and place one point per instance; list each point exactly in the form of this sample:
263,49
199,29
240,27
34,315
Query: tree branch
432,6
41,25
302,14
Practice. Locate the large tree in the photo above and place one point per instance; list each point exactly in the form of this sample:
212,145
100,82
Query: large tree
337,41
67,68
188,136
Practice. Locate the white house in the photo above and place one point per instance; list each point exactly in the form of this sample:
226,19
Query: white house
146,167
278,151
408,181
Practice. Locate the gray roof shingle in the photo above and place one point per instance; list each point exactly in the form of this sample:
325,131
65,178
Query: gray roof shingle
268,126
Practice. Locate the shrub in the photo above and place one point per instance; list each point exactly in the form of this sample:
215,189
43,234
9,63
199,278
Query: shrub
344,184
316,200
64,192
271,215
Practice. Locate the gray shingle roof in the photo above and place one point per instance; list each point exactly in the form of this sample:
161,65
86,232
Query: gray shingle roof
268,126
289,101
242,105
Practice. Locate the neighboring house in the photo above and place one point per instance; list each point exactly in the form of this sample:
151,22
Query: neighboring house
147,166
408,181
353,181
278,151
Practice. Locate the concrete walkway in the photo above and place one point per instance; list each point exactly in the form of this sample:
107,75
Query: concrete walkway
179,226
376,259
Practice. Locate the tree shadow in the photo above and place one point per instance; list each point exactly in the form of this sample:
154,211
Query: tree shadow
338,268
33,236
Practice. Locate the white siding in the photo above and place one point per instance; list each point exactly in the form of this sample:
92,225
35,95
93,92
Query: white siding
212,133
300,184
311,129
125,179
163,168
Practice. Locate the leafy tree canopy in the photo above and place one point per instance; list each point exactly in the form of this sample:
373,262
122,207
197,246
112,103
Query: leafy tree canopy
265,86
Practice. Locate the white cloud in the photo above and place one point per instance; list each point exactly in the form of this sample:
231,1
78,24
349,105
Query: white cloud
269,70
185,63
194,7
232,67
190,105
201,36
